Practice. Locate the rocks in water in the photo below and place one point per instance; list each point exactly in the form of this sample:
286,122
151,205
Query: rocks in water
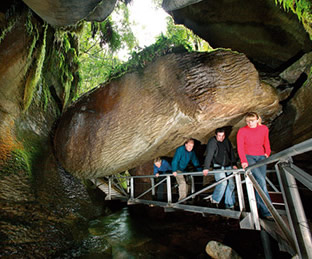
218,250
149,113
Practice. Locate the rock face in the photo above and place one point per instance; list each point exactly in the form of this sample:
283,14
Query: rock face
69,12
267,34
42,208
294,124
219,251
151,112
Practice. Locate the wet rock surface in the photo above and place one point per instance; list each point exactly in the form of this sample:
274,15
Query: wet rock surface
40,218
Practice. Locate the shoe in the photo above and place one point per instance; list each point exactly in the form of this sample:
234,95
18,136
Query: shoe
229,208
213,205
269,218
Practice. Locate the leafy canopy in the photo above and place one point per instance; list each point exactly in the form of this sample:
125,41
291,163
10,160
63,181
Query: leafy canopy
100,44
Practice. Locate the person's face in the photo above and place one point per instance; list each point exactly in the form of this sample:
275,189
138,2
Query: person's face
220,136
158,164
189,146
252,122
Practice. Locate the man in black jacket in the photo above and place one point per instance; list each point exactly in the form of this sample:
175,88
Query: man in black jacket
220,155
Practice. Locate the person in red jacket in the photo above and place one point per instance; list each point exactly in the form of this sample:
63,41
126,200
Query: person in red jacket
253,145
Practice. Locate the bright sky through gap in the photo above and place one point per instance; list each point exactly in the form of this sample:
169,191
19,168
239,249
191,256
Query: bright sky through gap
149,21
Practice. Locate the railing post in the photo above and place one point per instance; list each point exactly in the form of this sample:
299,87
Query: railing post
109,188
153,186
252,202
278,219
240,194
169,195
192,184
295,212
132,188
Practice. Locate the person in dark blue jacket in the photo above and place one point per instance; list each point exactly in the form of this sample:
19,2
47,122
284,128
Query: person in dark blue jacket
183,155
161,166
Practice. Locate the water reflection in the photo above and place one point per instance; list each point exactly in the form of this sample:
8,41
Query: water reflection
121,236
142,232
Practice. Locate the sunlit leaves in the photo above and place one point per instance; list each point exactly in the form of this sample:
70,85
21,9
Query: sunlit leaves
100,43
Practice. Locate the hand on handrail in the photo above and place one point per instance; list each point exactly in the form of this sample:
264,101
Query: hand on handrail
205,172
244,165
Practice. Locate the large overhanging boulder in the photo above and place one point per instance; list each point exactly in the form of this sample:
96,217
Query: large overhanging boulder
149,113
69,12
269,36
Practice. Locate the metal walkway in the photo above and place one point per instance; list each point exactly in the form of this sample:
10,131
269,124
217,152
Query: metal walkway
111,187
290,226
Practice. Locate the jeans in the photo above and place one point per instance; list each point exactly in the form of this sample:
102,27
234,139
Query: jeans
226,187
259,174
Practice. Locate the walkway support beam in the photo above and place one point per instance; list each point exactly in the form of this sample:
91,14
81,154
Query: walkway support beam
295,211
278,219
252,202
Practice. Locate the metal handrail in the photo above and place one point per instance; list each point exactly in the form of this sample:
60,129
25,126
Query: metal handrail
300,240
297,238
289,152
200,173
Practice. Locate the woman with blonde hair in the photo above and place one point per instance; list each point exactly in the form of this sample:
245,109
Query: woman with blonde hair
253,145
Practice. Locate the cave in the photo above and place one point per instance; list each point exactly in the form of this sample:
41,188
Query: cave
52,144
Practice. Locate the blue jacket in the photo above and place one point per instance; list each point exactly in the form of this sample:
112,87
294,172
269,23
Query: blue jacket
165,166
181,159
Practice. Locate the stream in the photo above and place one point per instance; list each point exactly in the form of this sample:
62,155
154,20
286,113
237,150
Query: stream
143,232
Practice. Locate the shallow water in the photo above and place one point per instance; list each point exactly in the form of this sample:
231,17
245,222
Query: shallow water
120,235
143,232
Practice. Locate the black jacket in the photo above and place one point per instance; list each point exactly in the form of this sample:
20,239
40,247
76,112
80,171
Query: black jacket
213,154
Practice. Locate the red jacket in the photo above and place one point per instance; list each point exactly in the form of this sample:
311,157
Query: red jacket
253,141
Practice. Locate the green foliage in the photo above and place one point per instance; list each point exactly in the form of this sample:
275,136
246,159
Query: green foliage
100,42
302,8
10,25
34,73
11,17
95,59
177,39
18,163
299,7
62,65
181,35
139,60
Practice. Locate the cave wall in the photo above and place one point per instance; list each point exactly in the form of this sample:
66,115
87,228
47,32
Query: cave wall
41,206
